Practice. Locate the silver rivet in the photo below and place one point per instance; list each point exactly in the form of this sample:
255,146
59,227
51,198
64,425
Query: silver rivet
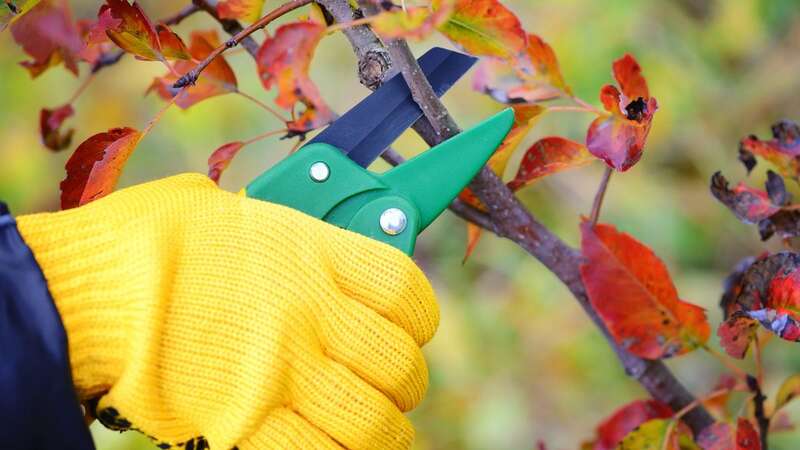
393,221
319,171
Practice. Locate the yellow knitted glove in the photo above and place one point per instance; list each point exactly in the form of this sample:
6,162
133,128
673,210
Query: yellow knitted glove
200,318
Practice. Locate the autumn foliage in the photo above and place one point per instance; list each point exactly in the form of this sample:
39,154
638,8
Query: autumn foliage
627,284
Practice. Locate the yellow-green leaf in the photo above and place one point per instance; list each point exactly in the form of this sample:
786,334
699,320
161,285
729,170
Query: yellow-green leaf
788,391
485,28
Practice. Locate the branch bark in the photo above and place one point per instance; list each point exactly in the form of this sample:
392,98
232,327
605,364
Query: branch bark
230,26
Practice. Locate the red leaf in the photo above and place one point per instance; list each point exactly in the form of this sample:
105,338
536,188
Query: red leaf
770,294
221,158
631,290
95,40
748,204
485,28
283,61
783,150
94,168
624,420
547,156
247,10
736,333
48,34
746,436
133,32
217,79
532,77
619,137
50,121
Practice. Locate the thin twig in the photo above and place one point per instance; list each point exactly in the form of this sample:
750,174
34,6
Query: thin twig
758,360
81,88
107,59
597,204
264,135
180,15
758,406
725,361
161,112
263,105
191,76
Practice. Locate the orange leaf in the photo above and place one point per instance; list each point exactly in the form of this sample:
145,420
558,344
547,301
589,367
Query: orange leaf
283,61
624,420
783,150
631,290
532,77
247,10
221,158
48,34
94,168
618,138
485,28
547,156
412,23
133,32
473,236
217,79
50,121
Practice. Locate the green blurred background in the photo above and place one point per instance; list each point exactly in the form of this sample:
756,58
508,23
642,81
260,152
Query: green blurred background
515,359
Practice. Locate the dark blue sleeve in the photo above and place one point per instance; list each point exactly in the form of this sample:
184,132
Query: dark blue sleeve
38,406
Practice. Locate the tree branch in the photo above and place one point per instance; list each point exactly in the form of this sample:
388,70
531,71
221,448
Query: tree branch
180,15
758,409
511,220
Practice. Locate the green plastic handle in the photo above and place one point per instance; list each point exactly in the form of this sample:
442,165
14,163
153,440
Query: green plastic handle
321,181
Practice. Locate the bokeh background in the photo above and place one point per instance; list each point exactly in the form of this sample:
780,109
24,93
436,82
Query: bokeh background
515,360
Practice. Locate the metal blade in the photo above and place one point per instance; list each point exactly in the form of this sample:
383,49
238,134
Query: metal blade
364,132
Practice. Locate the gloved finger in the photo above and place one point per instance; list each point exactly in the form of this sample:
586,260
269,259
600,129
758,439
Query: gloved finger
375,349
346,407
285,429
386,280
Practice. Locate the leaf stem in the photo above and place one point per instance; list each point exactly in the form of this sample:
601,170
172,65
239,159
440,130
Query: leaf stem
587,106
725,362
191,76
263,136
566,108
160,113
263,105
353,23
81,88
757,356
601,193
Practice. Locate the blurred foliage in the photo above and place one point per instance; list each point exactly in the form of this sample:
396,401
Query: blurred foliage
515,360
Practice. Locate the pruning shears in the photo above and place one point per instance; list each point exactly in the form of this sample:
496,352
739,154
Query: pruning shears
327,177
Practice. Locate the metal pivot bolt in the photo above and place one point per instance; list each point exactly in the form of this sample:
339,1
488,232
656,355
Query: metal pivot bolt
393,221
319,171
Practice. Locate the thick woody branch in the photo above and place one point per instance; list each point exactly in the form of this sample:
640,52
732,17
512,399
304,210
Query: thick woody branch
374,63
511,220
